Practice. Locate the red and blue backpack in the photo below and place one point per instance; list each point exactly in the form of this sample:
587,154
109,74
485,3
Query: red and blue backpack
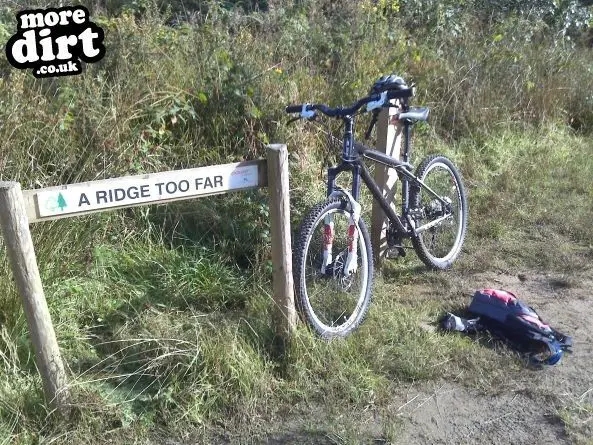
506,317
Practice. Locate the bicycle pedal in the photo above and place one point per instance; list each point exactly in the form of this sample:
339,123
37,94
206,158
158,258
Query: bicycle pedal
394,252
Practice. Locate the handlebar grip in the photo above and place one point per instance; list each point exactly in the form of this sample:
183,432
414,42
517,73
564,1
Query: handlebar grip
294,108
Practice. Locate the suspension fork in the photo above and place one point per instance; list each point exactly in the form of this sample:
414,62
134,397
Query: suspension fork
328,241
351,263
352,259
328,222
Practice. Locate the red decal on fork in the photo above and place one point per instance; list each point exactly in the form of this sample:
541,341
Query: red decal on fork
328,235
351,233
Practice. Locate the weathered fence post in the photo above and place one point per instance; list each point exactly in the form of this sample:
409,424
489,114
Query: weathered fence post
19,246
389,134
285,317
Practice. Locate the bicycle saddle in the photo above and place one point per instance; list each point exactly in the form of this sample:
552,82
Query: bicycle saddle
386,83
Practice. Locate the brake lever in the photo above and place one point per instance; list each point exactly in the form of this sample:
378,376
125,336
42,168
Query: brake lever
310,119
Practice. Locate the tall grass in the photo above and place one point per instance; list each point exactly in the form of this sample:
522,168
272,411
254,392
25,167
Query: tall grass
162,313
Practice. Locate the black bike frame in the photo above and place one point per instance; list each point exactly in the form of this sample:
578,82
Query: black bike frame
352,161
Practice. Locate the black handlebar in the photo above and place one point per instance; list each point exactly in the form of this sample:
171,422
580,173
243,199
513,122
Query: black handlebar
342,112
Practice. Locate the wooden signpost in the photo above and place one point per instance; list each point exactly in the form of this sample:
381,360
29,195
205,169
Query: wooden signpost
21,253
20,208
389,141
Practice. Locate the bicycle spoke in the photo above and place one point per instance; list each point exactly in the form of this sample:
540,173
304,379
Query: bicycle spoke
443,216
333,300
332,296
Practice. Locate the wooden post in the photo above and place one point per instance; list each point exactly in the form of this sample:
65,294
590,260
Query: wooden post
19,246
389,141
285,317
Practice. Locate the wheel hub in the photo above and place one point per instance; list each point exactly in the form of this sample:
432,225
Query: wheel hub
344,282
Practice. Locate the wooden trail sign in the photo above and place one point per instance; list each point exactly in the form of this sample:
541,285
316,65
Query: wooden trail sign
19,208
94,196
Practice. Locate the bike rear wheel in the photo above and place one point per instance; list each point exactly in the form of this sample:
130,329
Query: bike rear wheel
330,300
442,222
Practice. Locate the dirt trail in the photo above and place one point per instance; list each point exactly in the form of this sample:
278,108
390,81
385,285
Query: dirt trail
553,405
526,411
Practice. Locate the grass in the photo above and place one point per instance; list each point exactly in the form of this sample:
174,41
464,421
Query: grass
163,313
577,420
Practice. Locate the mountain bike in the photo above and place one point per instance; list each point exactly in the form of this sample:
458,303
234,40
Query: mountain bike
333,256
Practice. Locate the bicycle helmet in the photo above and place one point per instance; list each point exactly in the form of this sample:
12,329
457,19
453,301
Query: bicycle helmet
390,82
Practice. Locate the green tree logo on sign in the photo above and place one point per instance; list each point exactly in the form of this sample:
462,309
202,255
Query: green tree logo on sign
61,202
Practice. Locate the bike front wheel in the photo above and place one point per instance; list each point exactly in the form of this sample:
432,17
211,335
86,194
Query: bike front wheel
333,286
439,212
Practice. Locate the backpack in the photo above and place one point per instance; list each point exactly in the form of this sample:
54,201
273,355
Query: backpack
508,318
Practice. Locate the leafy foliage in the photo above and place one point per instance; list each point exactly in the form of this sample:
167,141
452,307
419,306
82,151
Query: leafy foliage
163,312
